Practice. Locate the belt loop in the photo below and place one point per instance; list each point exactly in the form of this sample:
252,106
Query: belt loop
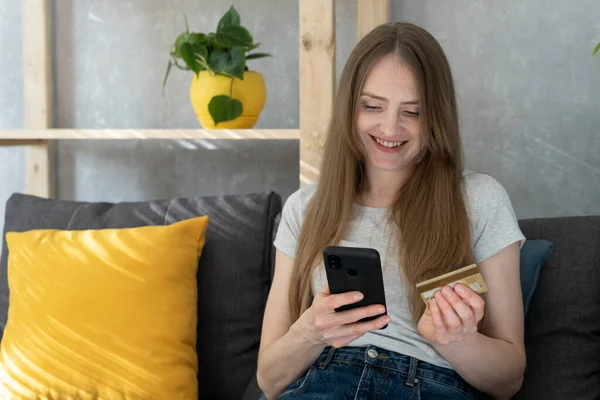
411,378
324,362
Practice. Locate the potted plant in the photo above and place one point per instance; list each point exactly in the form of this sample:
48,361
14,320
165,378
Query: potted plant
224,92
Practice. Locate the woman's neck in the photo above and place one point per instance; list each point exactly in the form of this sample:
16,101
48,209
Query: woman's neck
381,189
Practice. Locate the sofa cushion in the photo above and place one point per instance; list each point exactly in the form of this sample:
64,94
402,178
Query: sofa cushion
534,254
562,328
233,273
91,306
253,391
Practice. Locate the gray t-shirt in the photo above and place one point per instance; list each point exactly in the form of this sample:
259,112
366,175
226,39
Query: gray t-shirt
493,226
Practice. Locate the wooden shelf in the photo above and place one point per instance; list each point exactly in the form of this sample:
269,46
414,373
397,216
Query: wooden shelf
317,77
20,142
31,136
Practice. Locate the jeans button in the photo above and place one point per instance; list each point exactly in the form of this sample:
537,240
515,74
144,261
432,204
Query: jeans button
372,353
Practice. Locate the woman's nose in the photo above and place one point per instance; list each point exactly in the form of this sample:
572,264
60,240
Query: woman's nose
389,124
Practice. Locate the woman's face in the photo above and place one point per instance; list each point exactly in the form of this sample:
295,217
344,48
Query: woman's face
388,121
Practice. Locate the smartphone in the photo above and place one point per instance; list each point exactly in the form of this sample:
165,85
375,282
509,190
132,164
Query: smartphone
355,269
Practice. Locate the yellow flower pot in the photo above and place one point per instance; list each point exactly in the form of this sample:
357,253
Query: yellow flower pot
251,92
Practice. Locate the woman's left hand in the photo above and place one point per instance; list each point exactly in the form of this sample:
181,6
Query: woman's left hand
452,315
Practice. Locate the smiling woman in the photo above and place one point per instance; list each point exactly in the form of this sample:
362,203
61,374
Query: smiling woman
392,179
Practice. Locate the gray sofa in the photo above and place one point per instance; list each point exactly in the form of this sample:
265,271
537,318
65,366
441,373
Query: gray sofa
235,272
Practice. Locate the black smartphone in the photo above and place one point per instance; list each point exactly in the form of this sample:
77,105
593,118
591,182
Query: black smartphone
355,268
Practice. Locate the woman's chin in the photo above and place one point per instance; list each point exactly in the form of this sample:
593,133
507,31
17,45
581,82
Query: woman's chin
393,163
386,166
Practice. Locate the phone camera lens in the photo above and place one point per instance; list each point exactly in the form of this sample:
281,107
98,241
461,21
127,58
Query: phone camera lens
335,262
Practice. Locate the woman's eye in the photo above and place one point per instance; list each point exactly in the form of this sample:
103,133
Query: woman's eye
368,107
412,114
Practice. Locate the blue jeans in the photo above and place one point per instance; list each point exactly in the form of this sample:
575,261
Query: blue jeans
363,373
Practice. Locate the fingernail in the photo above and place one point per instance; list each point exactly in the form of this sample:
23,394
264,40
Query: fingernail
459,288
447,290
381,309
358,296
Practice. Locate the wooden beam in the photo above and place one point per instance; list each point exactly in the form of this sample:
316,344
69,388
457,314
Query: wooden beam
24,136
372,13
317,82
20,142
37,92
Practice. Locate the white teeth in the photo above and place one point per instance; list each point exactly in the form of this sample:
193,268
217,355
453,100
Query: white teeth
388,144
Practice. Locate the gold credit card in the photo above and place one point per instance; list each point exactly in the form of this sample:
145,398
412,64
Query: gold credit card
469,276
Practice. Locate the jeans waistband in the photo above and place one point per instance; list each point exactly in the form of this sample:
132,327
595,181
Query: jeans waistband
379,357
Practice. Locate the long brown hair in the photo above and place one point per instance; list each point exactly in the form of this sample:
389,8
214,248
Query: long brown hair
429,210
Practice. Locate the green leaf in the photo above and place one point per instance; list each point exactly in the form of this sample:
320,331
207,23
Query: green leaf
257,55
197,38
214,42
202,61
217,60
181,39
167,75
231,17
186,37
228,63
200,50
235,35
187,53
223,108
596,50
238,62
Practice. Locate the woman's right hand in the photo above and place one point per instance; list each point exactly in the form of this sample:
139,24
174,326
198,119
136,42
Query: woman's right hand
321,324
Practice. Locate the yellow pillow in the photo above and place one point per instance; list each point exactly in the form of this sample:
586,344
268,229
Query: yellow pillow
103,314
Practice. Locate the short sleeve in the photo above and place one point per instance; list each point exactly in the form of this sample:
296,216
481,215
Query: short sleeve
496,226
288,231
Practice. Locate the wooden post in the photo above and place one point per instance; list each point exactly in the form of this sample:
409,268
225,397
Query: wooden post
317,82
372,13
37,92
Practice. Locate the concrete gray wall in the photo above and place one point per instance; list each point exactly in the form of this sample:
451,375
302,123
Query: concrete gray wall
528,90
529,94
12,160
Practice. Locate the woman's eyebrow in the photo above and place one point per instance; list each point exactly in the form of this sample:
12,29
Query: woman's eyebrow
369,94
374,96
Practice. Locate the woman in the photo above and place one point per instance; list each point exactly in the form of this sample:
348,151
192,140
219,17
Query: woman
392,179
